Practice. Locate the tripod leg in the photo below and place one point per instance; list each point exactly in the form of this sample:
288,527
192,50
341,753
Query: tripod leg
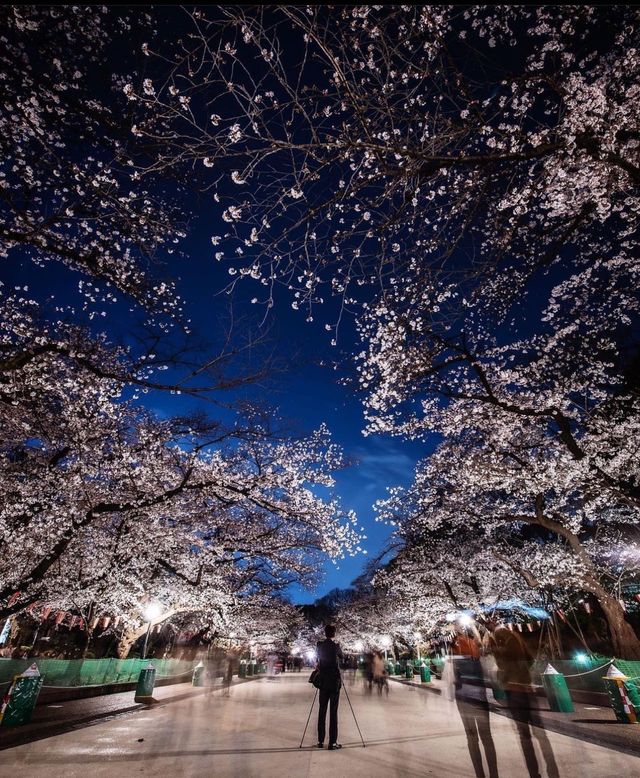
354,715
308,718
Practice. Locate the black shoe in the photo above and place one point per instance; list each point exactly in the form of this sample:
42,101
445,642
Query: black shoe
334,746
319,745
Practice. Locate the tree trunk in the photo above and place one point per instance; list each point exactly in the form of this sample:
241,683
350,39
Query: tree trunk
127,639
624,641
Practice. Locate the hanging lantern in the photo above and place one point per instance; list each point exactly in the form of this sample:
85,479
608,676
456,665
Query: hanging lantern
587,607
46,611
60,617
116,621
530,626
94,623
519,627
106,621
562,615
72,623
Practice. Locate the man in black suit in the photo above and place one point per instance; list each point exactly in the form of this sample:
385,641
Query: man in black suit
329,656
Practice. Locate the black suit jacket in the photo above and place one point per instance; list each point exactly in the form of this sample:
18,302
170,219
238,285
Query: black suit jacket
329,657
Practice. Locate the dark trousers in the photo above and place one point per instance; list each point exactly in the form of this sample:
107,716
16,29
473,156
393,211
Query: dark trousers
477,727
529,725
331,698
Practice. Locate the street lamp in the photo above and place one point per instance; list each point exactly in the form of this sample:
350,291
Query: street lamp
151,612
385,642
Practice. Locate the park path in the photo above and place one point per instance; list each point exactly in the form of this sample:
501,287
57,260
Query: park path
256,732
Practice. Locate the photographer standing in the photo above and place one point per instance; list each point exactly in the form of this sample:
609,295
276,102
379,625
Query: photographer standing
329,656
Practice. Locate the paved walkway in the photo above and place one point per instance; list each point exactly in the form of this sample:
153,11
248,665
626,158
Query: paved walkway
52,719
256,732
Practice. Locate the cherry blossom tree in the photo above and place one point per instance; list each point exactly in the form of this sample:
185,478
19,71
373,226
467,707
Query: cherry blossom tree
68,191
464,179
104,505
102,499
375,145
529,510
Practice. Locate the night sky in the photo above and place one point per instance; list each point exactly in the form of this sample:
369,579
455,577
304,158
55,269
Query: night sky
307,394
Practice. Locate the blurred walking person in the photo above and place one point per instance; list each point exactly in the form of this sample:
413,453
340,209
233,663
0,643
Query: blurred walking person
379,674
329,657
475,720
514,661
228,674
368,672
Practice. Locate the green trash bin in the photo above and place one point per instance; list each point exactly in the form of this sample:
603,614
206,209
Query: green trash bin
242,670
146,682
408,670
555,687
19,702
397,670
249,669
425,673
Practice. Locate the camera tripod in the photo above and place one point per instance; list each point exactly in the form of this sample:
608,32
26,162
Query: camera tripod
350,705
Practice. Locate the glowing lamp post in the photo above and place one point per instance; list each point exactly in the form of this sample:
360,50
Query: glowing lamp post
150,613
386,644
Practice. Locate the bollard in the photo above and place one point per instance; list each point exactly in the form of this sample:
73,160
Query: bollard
624,697
20,700
408,670
146,681
557,691
198,675
425,673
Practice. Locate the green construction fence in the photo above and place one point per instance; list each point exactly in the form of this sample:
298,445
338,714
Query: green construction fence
94,672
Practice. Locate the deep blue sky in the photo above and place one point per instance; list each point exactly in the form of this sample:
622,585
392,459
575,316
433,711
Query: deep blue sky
308,393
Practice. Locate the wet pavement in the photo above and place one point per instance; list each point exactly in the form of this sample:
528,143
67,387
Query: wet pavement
256,732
